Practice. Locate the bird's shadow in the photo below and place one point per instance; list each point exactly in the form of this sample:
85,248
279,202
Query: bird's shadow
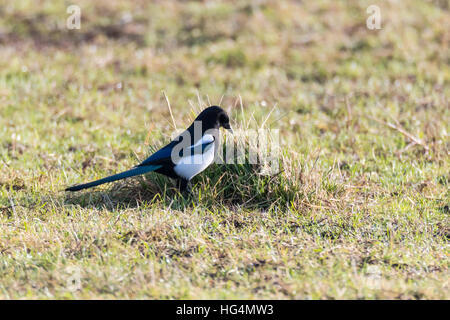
130,193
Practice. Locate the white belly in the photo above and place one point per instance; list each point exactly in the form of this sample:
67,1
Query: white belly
190,166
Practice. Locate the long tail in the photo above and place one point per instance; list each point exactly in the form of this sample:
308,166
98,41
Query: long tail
129,173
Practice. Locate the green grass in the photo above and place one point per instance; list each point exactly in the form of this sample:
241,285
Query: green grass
353,196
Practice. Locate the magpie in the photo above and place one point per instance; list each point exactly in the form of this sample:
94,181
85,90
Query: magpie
184,157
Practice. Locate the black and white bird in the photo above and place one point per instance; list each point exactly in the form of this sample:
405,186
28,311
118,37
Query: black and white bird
187,155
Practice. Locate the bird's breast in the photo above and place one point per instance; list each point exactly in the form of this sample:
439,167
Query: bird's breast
189,166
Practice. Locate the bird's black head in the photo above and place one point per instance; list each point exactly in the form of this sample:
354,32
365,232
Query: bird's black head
214,117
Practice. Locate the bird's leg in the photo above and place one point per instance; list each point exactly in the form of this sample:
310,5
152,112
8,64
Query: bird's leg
184,186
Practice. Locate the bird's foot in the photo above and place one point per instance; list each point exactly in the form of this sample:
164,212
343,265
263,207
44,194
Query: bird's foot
185,187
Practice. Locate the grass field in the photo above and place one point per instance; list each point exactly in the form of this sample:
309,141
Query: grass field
360,209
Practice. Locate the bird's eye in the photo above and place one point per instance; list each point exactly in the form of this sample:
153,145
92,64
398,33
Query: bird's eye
223,118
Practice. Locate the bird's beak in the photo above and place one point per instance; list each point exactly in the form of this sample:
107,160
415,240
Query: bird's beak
228,127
